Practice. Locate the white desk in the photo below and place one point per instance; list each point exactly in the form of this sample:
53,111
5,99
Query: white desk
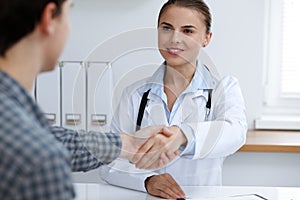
103,191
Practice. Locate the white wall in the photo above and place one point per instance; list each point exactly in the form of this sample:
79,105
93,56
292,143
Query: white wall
237,48
95,21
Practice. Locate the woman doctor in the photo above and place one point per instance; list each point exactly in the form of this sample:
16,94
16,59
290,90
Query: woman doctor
183,93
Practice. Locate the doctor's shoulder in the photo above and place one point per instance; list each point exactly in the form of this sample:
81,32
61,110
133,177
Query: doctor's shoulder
138,88
227,86
226,82
216,80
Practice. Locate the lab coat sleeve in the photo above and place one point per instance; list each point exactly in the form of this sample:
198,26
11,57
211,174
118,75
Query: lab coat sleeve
225,132
124,174
121,172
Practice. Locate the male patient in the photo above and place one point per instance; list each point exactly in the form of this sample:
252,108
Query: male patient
37,159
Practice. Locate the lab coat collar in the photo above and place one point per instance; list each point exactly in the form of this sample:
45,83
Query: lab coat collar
202,80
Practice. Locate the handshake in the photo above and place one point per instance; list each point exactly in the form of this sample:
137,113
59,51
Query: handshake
152,147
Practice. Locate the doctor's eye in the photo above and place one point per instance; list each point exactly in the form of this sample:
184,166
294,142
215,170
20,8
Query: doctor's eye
166,28
188,31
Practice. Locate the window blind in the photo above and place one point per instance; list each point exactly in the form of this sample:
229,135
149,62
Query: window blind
290,65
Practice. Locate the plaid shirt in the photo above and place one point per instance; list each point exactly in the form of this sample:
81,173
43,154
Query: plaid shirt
34,164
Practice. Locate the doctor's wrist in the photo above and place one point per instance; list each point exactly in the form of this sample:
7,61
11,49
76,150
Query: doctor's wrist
181,135
147,181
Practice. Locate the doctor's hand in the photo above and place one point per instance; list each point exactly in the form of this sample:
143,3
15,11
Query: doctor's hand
163,146
163,186
131,144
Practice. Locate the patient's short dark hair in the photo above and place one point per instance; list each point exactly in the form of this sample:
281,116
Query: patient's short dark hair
18,18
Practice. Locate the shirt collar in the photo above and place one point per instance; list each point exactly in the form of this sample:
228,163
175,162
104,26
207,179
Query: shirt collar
202,80
156,82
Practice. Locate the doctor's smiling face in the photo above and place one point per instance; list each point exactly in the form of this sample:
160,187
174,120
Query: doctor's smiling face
182,31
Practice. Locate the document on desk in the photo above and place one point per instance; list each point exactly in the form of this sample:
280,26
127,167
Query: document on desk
229,198
236,197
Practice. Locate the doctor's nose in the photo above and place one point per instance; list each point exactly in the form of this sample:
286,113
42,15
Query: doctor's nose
176,37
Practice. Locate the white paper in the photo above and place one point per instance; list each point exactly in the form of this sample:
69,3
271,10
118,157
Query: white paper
237,197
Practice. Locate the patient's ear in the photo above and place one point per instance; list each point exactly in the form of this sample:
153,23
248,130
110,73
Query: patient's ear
47,22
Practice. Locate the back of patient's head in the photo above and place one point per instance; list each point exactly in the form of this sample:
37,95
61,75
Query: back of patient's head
18,18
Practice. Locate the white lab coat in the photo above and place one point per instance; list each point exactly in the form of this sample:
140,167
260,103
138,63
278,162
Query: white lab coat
209,142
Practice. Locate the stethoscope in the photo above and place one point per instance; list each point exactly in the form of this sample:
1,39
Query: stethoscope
145,99
208,104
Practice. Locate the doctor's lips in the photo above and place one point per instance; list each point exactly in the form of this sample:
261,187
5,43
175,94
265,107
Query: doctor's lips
174,51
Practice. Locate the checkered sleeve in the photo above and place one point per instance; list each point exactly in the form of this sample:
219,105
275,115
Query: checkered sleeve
88,150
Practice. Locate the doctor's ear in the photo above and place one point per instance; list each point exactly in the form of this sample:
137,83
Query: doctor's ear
207,39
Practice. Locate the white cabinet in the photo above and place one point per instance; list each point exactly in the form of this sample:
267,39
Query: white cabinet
47,92
99,96
83,95
73,95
